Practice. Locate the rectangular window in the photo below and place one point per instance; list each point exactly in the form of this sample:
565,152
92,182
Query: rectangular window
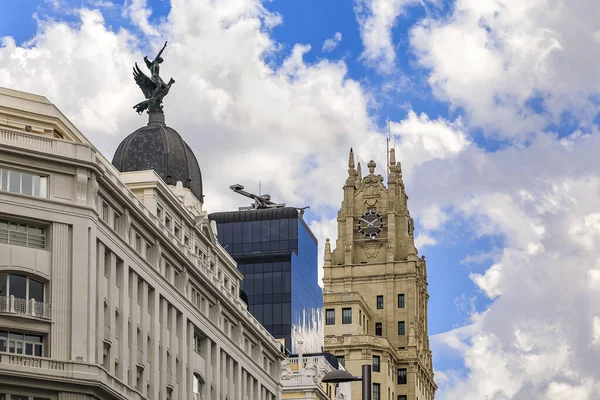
400,328
402,397
346,315
19,343
330,316
22,234
197,343
401,376
401,301
23,183
378,329
376,391
380,302
376,364
341,360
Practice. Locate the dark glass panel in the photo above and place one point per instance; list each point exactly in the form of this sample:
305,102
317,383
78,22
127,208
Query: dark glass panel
27,184
284,227
3,287
15,182
18,286
293,229
277,313
274,234
237,232
237,248
36,290
246,232
265,231
259,268
268,298
277,282
268,314
256,234
227,233
266,246
286,314
256,247
29,349
275,245
258,283
247,247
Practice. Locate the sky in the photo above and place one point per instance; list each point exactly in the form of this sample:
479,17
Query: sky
492,106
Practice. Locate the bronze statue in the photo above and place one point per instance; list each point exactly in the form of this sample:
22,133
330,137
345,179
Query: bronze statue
153,87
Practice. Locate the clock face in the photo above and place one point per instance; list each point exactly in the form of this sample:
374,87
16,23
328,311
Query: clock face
370,224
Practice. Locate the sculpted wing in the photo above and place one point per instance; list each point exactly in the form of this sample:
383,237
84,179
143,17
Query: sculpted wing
144,82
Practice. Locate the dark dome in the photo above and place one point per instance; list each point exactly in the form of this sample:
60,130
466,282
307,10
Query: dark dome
160,148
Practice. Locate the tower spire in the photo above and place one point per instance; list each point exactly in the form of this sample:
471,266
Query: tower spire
351,159
359,171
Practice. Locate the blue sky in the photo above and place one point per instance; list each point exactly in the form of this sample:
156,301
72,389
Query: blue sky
493,108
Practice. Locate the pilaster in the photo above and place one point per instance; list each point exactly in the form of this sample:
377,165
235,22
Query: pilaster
61,289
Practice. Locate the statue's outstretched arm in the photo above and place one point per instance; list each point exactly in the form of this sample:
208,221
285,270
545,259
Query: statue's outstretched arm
160,52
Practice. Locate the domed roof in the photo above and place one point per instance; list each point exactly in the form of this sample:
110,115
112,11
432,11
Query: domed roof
160,148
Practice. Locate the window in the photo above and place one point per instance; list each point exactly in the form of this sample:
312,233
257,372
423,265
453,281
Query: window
168,221
401,376
197,387
159,213
378,329
359,316
376,364
197,343
346,315
21,286
21,343
400,328
177,231
21,234
380,302
402,397
104,211
341,360
376,391
330,316
401,301
23,183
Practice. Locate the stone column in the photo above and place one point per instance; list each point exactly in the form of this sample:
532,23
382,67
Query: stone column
100,302
61,291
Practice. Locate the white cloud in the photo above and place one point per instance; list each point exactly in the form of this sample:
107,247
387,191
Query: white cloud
492,57
376,19
331,43
423,240
139,12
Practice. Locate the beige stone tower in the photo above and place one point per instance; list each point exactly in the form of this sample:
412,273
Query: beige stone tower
375,288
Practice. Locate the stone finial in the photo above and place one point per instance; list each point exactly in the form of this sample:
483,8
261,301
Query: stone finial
371,166
351,159
359,170
392,156
327,251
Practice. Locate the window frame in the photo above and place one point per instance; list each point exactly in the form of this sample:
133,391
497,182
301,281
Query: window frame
380,302
23,233
401,332
401,304
346,318
6,340
327,320
42,181
402,376
6,291
376,391
376,364
380,326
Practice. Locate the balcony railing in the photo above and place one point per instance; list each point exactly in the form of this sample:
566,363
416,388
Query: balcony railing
32,308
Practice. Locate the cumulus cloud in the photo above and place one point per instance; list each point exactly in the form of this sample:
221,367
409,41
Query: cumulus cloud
376,19
515,67
331,43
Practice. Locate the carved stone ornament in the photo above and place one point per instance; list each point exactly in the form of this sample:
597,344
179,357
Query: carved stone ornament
286,370
348,246
371,249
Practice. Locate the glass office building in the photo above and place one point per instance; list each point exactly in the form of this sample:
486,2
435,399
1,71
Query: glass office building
277,254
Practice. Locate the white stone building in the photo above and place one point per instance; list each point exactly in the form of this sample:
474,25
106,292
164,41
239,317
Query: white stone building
113,284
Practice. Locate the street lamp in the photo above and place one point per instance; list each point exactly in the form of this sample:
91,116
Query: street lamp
340,376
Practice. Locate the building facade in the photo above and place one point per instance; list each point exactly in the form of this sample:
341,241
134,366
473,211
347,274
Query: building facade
375,288
277,254
113,283
301,378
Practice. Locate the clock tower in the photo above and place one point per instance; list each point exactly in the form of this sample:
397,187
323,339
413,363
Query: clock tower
375,288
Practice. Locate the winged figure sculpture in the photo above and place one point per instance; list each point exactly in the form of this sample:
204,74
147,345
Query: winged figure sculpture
153,87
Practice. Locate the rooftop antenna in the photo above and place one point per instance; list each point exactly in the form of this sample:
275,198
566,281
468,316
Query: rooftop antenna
262,201
259,187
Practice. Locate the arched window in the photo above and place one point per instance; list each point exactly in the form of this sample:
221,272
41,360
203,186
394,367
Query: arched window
198,384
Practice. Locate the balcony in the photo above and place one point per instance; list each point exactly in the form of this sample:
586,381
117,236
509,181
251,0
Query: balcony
74,372
30,308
